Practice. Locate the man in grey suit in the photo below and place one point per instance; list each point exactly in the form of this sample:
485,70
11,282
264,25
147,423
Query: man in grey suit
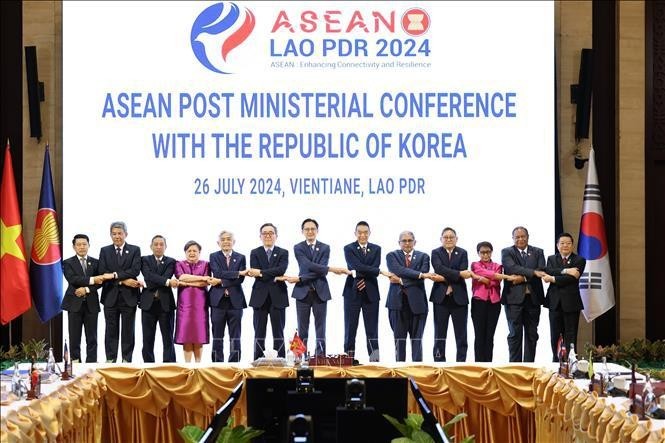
311,289
523,296
157,302
81,299
269,297
407,300
121,263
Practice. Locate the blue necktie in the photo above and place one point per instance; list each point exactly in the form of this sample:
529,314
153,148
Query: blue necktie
268,254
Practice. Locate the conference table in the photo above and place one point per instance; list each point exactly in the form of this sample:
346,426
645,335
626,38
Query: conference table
150,402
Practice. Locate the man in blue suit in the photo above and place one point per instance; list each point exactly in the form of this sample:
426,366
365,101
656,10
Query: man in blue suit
523,296
227,299
157,303
311,289
361,292
449,295
121,264
407,300
269,297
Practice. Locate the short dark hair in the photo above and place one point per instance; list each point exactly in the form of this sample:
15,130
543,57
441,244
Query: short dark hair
83,236
362,223
522,228
565,234
158,236
307,220
268,224
192,243
485,244
448,228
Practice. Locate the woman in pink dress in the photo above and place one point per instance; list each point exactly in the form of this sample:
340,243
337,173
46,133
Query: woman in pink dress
191,328
485,303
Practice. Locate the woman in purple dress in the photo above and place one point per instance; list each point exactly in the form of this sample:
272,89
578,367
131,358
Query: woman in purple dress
191,328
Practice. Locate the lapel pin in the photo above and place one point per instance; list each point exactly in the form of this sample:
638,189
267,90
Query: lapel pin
317,249
455,252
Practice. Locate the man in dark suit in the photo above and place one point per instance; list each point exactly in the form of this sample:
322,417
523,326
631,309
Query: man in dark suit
361,292
523,296
311,289
449,295
269,297
407,300
81,300
157,302
227,299
121,263
563,295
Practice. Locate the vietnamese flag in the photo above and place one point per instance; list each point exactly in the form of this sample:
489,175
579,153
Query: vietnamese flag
297,346
14,281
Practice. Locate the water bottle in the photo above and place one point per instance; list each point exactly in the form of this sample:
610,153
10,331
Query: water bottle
16,381
649,398
50,363
572,360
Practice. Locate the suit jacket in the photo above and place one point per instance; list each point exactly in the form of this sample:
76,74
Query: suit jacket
450,269
155,276
129,266
413,286
511,259
313,268
76,278
366,266
231,280
565,290
266,286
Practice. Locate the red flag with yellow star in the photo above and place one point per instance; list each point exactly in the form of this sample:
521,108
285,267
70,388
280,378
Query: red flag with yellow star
14,281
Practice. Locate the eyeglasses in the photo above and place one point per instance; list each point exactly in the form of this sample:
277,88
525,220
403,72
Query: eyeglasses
268,234
484,252
406,240
309,229
449,237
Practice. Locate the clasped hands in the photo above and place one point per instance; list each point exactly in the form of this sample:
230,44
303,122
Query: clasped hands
550,278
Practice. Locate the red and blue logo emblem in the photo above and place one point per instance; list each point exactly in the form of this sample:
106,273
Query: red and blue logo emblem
593,243
218,30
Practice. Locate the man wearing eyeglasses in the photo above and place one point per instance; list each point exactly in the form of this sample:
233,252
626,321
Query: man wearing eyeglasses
563,295
407,300
311,289
269,297
449,295
523,296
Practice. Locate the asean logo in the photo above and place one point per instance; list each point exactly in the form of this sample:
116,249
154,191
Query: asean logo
218,30
415,22
46,244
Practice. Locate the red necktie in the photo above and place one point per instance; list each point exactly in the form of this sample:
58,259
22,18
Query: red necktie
407,260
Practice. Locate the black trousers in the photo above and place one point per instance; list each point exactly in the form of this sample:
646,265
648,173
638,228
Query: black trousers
404,322
523,324
277,321
485,316
149,321
565,323
312,303
442,313
114,315
76,322
222,316
370,311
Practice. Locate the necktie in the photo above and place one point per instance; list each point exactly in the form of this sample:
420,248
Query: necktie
565,261
269,254
84,265
364,249
524,256
228,261
450,256
159,262
118,254
407,260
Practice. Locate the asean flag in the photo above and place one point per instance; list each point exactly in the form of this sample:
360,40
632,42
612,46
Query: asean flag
596,287
14,283
45,257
